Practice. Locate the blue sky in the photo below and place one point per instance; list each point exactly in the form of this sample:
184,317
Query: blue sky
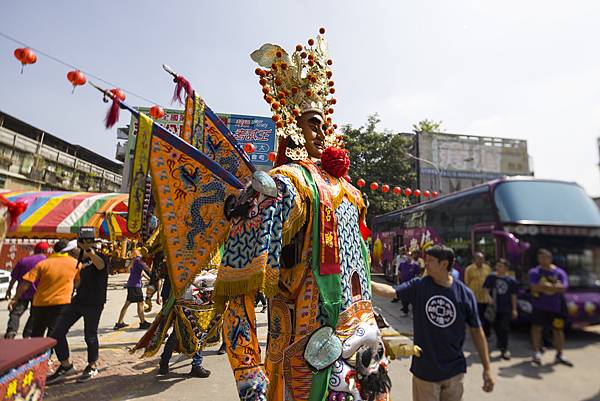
516,69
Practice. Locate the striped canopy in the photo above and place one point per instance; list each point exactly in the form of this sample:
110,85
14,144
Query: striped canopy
54,214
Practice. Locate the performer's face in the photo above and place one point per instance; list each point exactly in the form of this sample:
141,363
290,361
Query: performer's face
311,123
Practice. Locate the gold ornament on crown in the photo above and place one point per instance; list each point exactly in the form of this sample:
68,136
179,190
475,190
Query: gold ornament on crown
293,85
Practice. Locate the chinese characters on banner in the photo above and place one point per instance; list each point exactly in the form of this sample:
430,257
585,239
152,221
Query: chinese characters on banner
260,131
26,382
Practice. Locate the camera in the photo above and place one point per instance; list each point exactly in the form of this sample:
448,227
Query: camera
87,234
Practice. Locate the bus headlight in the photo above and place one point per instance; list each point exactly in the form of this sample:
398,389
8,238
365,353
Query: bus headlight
572,307
589,308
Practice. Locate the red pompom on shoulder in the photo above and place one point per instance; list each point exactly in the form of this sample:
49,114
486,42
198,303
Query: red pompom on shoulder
335,161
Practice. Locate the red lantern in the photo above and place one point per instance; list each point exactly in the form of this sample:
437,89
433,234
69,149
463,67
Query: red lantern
118,93
417,193
76,78
434,194
385,188
249,148
272,156
427,194
374,186
360,182
26,56
407,192
156,112
397,191
347,178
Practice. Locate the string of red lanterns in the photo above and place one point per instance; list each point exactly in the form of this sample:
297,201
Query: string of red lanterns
407,192
76,77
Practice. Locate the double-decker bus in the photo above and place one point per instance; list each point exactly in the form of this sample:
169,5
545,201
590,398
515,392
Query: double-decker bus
510,218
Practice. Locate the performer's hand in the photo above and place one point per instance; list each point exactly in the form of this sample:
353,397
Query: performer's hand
515,314
488,381
11,304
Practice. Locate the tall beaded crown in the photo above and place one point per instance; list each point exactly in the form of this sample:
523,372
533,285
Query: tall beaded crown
293,85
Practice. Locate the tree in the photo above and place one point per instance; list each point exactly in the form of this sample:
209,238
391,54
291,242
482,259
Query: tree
428,126
377,156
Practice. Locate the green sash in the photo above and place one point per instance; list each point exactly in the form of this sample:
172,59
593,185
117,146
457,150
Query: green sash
330,291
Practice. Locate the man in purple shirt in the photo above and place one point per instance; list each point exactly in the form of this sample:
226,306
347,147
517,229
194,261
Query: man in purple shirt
548,284
134,290
23,267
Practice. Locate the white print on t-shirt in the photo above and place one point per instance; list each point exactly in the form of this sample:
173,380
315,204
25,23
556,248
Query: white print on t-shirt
440,311
501,287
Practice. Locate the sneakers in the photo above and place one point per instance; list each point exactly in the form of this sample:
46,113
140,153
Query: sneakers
222,349
199,371
505,355
119,326
559,359
88,373
144,325
163,370
60,374
537,359
395,300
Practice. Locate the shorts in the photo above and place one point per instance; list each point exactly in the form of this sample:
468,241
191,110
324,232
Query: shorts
134,294
547,319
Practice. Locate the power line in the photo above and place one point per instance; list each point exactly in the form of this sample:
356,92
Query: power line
66,64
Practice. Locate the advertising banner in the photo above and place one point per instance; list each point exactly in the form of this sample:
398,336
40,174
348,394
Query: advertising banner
260,131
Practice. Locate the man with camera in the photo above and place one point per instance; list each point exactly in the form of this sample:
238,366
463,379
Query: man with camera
88,303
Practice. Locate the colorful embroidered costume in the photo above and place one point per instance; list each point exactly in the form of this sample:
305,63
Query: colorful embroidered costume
191,315
304,249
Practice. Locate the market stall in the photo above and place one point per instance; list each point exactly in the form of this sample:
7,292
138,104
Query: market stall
23,368
57,214
52,215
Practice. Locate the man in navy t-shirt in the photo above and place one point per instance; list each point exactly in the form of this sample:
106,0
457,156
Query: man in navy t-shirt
442,306
502,289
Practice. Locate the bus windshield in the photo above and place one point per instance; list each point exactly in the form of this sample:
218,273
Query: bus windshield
545,202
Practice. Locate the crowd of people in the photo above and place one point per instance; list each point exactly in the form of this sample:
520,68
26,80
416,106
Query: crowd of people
443,305
67,282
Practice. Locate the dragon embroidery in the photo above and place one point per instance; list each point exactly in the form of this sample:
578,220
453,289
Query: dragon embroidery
196,223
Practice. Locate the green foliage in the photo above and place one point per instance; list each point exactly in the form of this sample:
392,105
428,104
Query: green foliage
428,126
379,156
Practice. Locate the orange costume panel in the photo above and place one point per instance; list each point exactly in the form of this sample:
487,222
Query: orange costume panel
267,252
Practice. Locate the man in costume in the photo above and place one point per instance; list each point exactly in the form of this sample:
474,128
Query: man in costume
304,249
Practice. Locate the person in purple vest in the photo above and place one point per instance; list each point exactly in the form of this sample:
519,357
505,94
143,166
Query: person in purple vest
548,284
134,290
23,267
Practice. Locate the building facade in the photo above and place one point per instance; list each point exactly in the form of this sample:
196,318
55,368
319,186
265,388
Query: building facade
450,162
34,160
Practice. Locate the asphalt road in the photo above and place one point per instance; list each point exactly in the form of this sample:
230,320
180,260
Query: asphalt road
127,377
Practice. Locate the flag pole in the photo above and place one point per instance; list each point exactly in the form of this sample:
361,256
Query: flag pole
178,143
177,78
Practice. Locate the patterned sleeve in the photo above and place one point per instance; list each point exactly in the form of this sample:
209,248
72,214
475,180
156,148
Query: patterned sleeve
252,252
